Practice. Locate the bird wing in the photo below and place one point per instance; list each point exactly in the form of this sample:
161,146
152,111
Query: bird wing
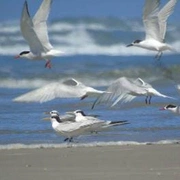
71,82
123,89
67,89
50,92
40,23
117,91
68,117
141,83
74,128
28,32
163,15
150,19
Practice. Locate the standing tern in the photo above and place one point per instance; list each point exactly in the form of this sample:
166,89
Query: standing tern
69,88
35,33
126,89
96,124
173,108
68,129
155,24
82,125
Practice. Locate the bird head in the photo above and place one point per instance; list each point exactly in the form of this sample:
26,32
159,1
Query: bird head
23,54
53,115
170,107
134,43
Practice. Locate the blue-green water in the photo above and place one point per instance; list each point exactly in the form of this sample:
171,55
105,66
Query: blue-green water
95,55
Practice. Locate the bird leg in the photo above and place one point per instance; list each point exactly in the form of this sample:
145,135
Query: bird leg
150,99
146,99
67,139
48,64
158,55
71,139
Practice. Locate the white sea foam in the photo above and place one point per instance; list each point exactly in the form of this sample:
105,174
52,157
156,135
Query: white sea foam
22,83
83,38
93,144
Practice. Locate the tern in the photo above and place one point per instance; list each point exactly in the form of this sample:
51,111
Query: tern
173,108
69,88
82,125
126,89
68,129
96,124
155,24
35,33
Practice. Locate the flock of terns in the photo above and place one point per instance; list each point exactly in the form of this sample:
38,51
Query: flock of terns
122,90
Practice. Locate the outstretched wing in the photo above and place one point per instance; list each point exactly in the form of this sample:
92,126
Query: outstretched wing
40,23
70,88
163,15
28,32
120,90
150,19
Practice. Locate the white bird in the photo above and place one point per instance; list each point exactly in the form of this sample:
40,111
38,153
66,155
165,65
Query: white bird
67,129
69,88
173,108
126,89
155,24
95,123
35,33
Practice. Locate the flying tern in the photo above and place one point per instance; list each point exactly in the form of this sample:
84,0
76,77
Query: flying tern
171,107
126,89
35,33
155,24
69,88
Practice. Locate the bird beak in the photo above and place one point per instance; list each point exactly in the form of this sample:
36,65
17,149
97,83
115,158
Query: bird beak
129,45
46,118
93,115
161,109
16,57
70,113
46,112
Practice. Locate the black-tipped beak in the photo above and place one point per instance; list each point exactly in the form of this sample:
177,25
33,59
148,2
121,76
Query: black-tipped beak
129,45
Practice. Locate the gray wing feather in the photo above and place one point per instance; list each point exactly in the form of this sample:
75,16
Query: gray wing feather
163,15
150,19
123,89
40,23
28,32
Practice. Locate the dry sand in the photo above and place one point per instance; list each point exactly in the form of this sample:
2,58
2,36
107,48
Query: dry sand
132,162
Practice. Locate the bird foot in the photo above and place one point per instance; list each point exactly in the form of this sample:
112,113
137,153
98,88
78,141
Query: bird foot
158,55
48,64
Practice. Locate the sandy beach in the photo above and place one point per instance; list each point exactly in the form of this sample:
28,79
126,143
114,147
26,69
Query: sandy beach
137,162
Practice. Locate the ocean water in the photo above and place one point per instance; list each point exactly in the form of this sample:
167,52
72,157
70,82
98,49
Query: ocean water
96,54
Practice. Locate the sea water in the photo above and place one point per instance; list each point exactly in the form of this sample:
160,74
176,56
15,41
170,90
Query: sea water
95,54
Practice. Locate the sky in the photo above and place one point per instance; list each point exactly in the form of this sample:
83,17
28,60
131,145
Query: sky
11,9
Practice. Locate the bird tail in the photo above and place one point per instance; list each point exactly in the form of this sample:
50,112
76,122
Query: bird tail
165,96
117,123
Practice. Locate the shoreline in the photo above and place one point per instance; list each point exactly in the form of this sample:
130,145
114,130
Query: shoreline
147,162
20,146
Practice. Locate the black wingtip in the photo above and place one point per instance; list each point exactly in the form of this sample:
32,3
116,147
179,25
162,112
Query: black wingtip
95,102
119,122
25,8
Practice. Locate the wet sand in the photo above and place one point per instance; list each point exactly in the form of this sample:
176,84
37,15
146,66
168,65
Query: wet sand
130,162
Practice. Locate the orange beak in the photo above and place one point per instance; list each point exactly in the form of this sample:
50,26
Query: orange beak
16,57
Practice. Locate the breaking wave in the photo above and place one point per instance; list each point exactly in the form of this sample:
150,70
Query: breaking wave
94,144
86,36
